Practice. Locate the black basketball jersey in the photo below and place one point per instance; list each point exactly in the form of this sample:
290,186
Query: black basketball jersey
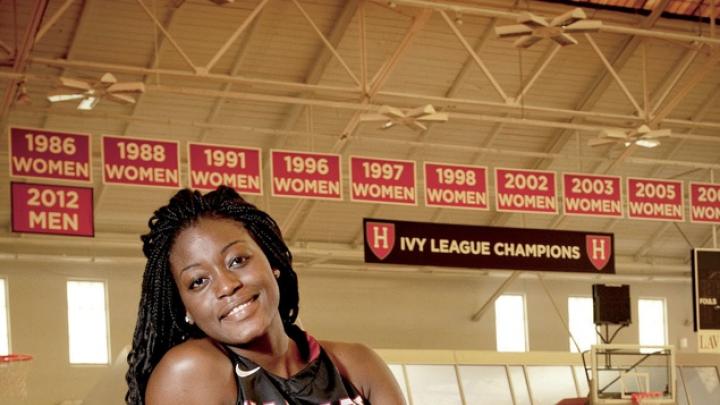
319,383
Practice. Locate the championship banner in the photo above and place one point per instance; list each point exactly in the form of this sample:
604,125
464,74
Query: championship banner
305,175
382,181
210,166
658,200
455,186
706,298
531,191
49,154
140,162
50,209
591,195
485,247
705,202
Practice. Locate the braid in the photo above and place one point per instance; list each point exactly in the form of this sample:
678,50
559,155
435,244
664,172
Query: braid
160,324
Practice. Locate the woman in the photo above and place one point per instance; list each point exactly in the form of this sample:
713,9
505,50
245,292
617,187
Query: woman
217,311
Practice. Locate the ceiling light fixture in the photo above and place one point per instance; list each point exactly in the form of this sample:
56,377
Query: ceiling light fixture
531,28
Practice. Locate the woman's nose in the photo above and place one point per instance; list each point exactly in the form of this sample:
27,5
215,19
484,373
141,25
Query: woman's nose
226,283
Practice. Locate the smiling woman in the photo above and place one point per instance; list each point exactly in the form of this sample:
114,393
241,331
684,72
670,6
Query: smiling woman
217,311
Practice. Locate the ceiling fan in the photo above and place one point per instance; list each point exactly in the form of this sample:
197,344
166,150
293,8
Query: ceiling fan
90,92
531,28
415,118
640,136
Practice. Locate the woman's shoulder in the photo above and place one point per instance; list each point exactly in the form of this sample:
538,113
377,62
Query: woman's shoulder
195,371
365,370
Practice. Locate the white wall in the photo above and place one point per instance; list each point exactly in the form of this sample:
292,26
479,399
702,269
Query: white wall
383,310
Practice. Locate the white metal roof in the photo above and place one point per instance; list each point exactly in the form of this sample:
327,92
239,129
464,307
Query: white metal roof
279,84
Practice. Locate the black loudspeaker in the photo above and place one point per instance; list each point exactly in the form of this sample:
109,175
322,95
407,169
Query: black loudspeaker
611,304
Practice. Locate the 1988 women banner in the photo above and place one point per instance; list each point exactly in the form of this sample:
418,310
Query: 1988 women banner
431,244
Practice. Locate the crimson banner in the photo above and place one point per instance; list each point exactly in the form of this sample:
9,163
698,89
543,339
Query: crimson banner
305,175
49,154
704,202
659,200
210,166
485,247
456,186
382,181
530,191
140,162
50,209
591,195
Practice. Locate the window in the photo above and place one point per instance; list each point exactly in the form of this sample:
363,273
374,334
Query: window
87,322
510,330
651,321
580,322
4,330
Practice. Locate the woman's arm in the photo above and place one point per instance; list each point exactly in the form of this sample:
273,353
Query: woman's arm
194,372
366,371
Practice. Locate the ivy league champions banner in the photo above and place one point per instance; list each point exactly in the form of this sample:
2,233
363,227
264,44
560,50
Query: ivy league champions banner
430,244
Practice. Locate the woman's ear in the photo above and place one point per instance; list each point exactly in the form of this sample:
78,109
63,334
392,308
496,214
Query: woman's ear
276,273
189,319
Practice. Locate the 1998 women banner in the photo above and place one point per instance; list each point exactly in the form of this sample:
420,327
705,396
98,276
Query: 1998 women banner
485,247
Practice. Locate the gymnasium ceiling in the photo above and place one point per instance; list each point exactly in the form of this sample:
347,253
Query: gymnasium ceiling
298,75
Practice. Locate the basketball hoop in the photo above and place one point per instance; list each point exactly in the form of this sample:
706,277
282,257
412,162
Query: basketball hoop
638,398
13,374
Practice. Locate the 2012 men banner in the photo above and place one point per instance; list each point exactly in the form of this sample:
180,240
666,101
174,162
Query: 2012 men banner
51,209
485,247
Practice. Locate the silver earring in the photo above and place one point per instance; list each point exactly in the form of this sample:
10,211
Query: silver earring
188,319
276,273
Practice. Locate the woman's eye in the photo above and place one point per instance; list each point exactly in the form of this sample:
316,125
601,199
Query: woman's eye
198,282
237,261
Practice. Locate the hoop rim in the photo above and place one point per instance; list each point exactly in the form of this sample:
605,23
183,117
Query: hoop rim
9,358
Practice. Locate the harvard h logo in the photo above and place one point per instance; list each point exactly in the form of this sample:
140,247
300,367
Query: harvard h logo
380,238
598,249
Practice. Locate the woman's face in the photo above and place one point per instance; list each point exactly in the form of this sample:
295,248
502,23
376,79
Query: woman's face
225,281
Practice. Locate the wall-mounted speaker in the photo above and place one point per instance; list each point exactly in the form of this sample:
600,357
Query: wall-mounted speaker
611,304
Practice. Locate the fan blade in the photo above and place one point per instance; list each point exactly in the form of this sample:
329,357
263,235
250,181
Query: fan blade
372,117
531,20
564,39
121,98
108,78
129,87
64,97
416,125
568,18
420,111
658,133
391,112
613,133
600,141
75,84
527,41
584,26
437,117
88,103
512,30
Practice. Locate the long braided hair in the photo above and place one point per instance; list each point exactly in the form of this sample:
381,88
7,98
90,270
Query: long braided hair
160,323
